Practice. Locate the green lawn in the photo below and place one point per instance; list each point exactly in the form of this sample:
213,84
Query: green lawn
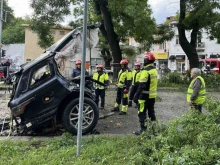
193,138
95,150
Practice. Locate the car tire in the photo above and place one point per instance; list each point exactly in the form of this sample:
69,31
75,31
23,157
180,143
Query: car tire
90,116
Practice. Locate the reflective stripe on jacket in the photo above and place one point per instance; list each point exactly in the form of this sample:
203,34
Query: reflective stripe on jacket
200,99
135,77
103,78
124,78
148,79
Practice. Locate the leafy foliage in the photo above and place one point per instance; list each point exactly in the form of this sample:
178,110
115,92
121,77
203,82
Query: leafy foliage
47,13
12,30
182,81
9,17
131,18
192,139
15,33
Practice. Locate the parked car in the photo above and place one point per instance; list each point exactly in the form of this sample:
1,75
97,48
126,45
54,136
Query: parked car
40,99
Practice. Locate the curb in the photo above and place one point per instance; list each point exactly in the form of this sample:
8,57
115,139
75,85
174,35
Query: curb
5,87
42,138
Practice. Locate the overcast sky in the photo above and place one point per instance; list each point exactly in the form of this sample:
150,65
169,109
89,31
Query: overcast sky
161,8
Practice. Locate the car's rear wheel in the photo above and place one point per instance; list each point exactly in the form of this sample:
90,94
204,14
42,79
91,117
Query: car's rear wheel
71,114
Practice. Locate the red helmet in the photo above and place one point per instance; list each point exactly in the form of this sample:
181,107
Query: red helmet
149,58
137,64
124,61
99,66
78,62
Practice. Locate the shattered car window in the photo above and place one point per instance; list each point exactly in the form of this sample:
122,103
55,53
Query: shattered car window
40,75
73,49
23,86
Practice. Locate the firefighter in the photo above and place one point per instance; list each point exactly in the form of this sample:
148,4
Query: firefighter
102,77
147,92
135,82
196,93
77,70
123,84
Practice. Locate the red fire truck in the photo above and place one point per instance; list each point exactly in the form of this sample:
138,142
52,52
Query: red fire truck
212,64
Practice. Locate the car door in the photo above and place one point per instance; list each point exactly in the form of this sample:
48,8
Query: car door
46,90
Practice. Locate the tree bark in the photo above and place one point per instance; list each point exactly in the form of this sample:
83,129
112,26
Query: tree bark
107,57
188,48
112,36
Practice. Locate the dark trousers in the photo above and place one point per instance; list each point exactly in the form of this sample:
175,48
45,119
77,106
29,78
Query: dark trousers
197,107
132,92
100,93
120,97
143,107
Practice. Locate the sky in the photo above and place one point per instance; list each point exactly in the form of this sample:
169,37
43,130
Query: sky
161,8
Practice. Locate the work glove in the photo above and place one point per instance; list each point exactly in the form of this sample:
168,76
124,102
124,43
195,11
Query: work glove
126,91
135,99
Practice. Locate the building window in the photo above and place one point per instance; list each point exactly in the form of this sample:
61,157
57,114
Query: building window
53,32
177,40
162,46
62,32
28,60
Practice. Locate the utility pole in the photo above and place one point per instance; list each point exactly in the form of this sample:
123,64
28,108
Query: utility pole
1,18
82,79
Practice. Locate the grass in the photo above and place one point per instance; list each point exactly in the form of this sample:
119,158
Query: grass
62,151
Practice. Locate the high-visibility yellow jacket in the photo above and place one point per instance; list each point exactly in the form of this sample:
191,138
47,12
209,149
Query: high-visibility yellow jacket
124,78
135,77
101,77
200,99
148,82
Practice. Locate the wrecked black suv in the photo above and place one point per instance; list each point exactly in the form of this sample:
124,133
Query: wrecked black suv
43,95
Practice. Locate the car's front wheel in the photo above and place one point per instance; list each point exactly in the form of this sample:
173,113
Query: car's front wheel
71,114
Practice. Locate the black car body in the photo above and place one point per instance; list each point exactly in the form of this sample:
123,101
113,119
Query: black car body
39,100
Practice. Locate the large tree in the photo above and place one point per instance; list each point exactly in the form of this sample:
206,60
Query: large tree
119,20
197,16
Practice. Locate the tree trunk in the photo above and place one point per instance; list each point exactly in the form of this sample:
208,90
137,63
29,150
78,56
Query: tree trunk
188,48
107,57
112,36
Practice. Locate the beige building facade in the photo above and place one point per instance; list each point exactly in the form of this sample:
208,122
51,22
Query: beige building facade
32,50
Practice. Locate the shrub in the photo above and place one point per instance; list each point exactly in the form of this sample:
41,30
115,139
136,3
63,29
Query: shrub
191,139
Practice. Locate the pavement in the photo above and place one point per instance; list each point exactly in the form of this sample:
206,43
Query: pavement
25,138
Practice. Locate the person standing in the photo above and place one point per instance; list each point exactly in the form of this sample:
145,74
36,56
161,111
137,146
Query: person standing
147,91
7,65
77,70
102,77
196,93
123,84
135,82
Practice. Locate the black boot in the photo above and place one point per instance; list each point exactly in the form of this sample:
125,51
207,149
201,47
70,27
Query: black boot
122,113
115,109
130,103
143,128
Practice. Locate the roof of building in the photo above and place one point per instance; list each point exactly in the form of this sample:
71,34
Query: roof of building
54,27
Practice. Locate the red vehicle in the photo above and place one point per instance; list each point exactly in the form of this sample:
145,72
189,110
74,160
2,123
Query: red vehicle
2,72
212,64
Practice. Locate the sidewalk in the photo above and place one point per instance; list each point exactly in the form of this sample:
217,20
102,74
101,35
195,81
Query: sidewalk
26,138
5,87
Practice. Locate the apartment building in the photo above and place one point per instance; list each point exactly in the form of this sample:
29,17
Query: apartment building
178,60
